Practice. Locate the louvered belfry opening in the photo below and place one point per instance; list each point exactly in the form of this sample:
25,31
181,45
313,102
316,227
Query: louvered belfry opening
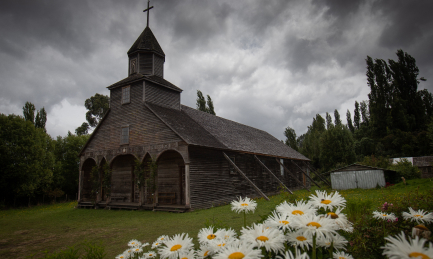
149,54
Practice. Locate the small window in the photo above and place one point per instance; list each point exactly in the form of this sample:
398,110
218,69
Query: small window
126,94
124,138
133,66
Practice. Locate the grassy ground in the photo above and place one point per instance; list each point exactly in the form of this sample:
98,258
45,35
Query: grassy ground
30,231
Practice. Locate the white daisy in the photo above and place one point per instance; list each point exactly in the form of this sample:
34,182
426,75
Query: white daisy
150,254
341,220
341,255
384,215
175,245
162,238
187,254
298,255
144,245
156,244
239,250
270,238
301,208
300,239
204,251
279,221
134,243
244,205
338,241
420,216
226,233
312,224
137,250
400,248
123,256
206,234
323,200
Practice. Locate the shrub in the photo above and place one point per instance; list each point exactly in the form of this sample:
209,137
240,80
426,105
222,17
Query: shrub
405,169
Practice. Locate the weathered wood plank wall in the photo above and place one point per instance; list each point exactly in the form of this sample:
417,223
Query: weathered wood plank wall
144,127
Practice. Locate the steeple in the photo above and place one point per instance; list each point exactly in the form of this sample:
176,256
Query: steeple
146,55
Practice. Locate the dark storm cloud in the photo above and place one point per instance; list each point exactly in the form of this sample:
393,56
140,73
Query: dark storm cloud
268,64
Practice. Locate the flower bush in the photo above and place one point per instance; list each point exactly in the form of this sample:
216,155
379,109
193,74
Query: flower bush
313,228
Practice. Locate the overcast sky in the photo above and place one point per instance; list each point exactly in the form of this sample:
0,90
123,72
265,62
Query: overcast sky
268,64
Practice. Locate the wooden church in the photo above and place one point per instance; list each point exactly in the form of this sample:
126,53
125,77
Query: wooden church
202,160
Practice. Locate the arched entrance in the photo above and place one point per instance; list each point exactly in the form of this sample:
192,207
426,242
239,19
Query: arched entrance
171,179
86,191
123,186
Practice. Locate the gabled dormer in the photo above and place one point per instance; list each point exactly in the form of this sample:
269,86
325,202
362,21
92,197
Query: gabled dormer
146,55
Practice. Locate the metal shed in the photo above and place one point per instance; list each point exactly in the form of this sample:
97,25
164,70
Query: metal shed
358,176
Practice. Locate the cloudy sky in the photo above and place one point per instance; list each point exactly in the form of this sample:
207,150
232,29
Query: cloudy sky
268,64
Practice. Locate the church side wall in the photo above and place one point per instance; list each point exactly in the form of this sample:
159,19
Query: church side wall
213,181
144,127
162,96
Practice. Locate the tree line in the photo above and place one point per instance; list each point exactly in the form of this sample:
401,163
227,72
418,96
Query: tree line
36,167
395,121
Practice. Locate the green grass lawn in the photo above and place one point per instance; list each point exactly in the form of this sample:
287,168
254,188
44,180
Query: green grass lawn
30,231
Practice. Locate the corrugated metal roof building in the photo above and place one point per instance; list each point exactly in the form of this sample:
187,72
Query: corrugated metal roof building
361,176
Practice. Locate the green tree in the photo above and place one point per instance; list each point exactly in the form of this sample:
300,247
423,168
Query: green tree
29,115
26,158
97,106
310,146
41,119
329,123
67,162
349,121
291,140
210,108
356,116
337,119
204,106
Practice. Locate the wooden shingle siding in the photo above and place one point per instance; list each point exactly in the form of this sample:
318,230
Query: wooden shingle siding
146,63
144,127
162,96
169,175
158,66
212,184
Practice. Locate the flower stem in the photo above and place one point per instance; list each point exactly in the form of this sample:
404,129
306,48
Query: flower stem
313,256
245,220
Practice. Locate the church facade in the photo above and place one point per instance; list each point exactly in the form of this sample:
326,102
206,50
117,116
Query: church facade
202,160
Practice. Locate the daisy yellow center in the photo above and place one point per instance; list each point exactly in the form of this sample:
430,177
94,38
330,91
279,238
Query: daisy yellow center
314,224
416,254
262,238
333,215
244,204
297,212
207,252
418,216
301,238
223,244
184,258
236,255
175,248
211,236
384,215
156,244
325,201
341,257
285,222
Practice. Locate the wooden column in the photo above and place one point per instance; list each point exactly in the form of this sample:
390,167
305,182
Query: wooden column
270,172
80,184
187,191
292,175
246,178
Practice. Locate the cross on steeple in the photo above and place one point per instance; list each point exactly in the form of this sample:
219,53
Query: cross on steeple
148,11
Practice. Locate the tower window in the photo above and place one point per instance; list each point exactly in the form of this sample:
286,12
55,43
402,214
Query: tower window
133,66
126,94
124,138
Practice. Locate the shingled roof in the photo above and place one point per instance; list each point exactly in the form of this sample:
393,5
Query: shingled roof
152,78
146,41
203,129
